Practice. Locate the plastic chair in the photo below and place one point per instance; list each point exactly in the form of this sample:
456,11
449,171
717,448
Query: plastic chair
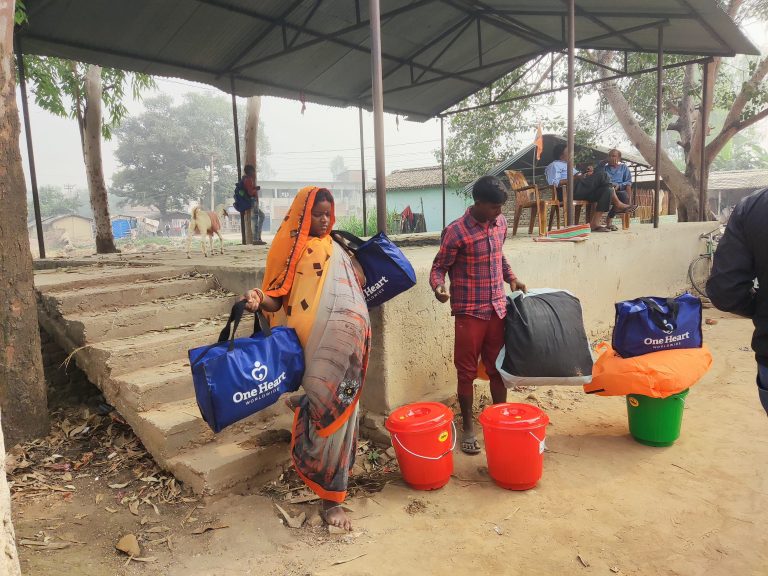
527,196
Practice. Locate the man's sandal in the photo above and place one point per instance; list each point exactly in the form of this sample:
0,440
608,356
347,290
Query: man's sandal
470,445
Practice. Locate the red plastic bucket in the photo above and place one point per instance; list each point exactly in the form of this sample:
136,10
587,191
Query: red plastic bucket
424,437
514,444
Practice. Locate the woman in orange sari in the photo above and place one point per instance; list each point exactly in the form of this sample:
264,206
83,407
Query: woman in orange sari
312,285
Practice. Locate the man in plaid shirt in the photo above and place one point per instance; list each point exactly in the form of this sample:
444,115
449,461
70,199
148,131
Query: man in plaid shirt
471,254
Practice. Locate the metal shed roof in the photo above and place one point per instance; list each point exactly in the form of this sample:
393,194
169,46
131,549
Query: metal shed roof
435,52
523,159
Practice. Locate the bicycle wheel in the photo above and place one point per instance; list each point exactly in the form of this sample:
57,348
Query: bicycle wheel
698,273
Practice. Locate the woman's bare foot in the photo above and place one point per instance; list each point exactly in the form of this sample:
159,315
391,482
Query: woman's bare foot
335,515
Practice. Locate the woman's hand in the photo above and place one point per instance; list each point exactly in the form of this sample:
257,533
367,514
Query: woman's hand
253,299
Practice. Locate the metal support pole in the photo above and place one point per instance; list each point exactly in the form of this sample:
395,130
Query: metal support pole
703,200
571,78
362,169
633,200
442,163
659,93
30,152
237,151
378,114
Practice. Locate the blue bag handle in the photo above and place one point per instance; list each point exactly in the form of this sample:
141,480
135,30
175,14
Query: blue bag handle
260,324
664,321
352,242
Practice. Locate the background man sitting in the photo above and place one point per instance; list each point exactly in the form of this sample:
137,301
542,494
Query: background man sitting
621,178
588,186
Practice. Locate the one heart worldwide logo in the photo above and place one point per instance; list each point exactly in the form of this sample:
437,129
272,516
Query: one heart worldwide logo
259,372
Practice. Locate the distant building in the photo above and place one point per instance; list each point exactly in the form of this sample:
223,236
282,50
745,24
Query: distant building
63,230
276,197
727,187
421,189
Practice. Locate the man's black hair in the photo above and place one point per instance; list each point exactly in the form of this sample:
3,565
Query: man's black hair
558,150
249,169
489,189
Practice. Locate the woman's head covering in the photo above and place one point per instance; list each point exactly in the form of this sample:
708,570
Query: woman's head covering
290,242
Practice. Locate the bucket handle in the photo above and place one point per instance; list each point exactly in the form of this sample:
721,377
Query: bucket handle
453,424
542,443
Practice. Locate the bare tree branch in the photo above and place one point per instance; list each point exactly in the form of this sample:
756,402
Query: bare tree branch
733,122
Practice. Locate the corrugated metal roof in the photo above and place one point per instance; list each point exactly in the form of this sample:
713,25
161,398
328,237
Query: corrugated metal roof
435,53
413,178
52,219
738,180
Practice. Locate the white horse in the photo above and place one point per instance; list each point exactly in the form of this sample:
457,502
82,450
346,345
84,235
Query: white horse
206,224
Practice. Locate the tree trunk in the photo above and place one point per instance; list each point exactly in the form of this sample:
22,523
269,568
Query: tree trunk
252,111
685,194
91,140
9,558
22,384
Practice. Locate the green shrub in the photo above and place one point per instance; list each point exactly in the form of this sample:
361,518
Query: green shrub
354,224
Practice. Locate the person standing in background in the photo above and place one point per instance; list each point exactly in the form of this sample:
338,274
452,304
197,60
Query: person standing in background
254,217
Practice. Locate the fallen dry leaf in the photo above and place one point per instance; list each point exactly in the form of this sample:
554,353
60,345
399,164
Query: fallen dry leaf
129,545
208,527
583,561
42,545
119,486
338,562
292,521
134,507
110,510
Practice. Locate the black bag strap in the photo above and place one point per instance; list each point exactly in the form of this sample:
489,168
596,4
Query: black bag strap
260,324
351,242
661,319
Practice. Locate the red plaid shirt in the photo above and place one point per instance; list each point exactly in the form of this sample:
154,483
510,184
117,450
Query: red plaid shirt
471,254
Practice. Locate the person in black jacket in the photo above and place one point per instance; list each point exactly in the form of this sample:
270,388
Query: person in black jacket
740,258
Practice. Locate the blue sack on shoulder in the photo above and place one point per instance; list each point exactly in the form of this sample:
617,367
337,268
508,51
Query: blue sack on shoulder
237,377
387,271
646,325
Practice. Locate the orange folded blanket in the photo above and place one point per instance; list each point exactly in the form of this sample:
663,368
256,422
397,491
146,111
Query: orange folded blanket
658,374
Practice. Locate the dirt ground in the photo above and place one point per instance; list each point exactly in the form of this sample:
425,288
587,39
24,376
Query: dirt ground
605,505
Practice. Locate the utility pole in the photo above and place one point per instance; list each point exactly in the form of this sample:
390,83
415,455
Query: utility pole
69,188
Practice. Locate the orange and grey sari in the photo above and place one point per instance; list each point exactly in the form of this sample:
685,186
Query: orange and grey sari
324,303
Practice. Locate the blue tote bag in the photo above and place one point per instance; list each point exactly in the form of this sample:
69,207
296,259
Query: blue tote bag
387,271
237,377
653,324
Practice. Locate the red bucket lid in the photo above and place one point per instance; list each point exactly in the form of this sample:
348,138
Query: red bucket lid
419,417
512,416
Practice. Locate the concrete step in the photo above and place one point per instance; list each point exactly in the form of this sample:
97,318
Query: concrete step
115,296
235,457
74,277
167,429
134,320
105,361
148,388
175,426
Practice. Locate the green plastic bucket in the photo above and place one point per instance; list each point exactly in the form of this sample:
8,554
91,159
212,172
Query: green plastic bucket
655,421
